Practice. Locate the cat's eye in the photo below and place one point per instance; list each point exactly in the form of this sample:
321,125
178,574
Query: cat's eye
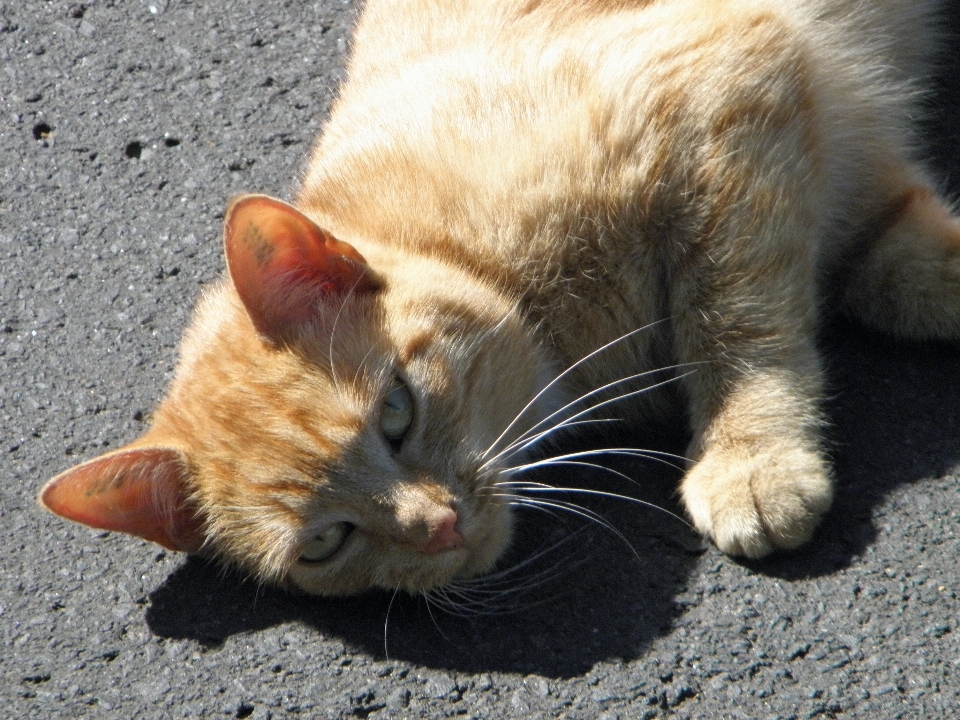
326,543
396,413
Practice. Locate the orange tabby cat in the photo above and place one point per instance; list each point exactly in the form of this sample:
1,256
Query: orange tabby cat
505,187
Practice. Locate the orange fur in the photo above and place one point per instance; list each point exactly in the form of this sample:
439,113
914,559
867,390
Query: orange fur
505,186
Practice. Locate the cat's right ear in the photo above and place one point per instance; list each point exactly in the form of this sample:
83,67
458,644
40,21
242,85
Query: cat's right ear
284,265
140,491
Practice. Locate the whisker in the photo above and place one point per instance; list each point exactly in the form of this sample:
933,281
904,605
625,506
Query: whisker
386,622
543,434
514,503
534,580
654,455
472,600
429,602
523,443
559,377
462,605
595,391
503,574
333,332
578,463
580,511
544,488
363,362
475,593
440,599
466,606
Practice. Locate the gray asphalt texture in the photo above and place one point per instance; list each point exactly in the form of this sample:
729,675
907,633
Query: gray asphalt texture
124,129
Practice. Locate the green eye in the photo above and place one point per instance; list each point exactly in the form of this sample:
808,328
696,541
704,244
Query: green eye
326,544
396,413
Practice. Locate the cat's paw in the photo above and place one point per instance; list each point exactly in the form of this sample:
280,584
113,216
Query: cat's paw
754,504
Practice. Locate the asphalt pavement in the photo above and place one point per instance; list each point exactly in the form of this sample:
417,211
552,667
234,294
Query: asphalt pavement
125,126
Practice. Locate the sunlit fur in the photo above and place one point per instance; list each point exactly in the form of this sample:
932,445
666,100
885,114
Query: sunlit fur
728,166
286,440
533,180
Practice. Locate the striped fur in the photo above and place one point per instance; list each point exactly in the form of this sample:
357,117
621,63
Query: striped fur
530,180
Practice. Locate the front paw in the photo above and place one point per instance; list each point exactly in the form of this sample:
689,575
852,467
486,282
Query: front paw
752,504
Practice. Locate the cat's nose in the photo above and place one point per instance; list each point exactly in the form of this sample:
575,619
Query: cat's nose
444,535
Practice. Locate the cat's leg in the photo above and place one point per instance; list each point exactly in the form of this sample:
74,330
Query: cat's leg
760,481
906,276
745,320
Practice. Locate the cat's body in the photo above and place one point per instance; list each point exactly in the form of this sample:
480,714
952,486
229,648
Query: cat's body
513,185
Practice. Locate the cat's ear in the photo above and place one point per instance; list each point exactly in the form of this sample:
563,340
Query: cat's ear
283,264
141,491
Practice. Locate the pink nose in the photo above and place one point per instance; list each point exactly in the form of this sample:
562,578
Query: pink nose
444,535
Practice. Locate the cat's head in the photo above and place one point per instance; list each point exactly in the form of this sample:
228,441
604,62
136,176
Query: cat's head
330,417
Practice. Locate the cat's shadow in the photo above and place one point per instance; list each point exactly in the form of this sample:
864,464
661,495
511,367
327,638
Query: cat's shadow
895,416
589,599
895,419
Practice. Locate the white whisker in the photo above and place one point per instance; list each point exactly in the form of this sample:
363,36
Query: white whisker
465,605
386,624
479,596
542,435
429,602
654,455
535,487
502,574
363,362
558,378
580,511
575,463
522,443
547,511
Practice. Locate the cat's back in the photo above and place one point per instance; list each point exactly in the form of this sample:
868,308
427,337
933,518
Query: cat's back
484,102
396,32
534,140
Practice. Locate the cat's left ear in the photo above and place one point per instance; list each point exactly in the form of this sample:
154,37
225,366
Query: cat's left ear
284,265
140,491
